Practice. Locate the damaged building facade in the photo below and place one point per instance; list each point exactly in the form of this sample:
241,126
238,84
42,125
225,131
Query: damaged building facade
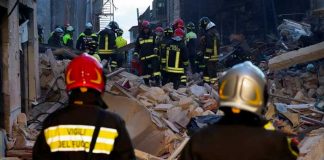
19,59
77,13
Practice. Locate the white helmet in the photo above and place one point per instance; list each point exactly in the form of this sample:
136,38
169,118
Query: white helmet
88,25
70,29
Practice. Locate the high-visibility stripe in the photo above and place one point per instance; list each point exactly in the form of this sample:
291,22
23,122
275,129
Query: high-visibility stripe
157,74
206,57
269,126
106,42
146,41
113,62
206,79
215,49
183,77
78,138
177,59
146,76
186,63
148,57
173,71
293,152
102,51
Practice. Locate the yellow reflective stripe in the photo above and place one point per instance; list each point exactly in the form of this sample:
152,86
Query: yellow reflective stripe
206,57
106,42
186,63
183,77
173,71
148,57
293,152
269,126
177,59
113,62
167,58
102,51
78,138
157,74
215,49
207,79
146,41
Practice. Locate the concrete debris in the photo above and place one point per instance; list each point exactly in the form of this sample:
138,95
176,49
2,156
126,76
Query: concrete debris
312,146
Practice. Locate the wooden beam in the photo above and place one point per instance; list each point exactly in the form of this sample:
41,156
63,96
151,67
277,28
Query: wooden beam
302,55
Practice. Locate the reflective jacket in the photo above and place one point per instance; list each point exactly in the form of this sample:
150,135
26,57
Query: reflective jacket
146,47
176,56
120,42
86,38
67,40
162,51
107,41
191,42
210,45
67,134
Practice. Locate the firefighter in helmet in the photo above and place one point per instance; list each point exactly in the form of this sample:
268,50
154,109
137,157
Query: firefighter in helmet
84,129
168,34
107,43
209,49
176,60
191,43
147,50
242,133
87,40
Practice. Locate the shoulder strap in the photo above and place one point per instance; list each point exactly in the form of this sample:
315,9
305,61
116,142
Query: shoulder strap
101,116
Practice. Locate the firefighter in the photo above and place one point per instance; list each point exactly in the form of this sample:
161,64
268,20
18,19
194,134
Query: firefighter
242,133
146,50
120,42
191,43
159,35
84,129
209,49
168,33
107,43
55,39
87,39
67,38
176,60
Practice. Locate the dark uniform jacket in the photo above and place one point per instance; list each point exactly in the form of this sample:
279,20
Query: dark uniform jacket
176,57
145,46
85,39
67,135
107,41
228,140
162,50
210,45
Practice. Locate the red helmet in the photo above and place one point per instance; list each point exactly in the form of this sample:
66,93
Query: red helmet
145,24
179,32
84,71
178,23
159,29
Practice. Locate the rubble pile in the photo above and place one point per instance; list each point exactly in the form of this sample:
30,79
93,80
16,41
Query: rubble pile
170,110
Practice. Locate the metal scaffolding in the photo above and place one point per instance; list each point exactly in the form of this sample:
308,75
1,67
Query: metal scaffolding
107,15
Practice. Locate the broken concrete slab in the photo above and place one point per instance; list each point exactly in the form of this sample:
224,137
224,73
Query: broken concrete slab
143,132
197,90
163,107
312,146
302,55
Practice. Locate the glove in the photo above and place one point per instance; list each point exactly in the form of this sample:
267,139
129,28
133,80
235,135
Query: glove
200,53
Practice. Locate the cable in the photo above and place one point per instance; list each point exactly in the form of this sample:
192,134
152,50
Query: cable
14,7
